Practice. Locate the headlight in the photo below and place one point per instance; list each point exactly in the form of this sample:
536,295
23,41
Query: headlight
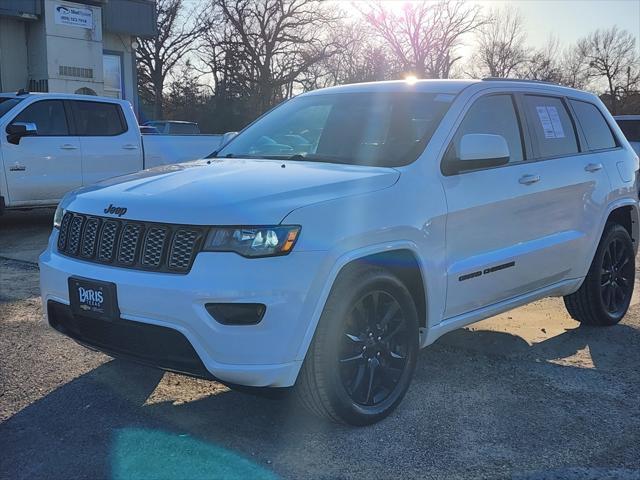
57,217
265,241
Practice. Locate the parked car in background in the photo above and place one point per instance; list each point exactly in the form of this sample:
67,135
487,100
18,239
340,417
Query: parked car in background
52,143
174,127
630,126
347,228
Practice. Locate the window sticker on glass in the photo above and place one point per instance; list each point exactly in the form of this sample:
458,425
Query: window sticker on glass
550,121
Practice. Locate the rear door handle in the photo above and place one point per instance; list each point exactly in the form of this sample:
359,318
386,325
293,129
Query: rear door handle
130,146
593,167
68,146
17,168
529,179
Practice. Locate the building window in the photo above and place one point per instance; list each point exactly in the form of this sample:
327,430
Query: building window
85,91
113,82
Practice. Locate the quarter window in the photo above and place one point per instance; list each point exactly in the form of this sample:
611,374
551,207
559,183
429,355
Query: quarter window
48,116
98,119
594,126
495,115
553,132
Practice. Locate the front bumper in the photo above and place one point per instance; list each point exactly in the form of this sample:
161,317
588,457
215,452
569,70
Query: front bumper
266,354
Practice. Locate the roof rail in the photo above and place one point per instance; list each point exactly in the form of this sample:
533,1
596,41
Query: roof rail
500,79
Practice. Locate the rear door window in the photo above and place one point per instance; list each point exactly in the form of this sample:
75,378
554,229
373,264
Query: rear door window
630,129
552,128
594,126
98,119
49,117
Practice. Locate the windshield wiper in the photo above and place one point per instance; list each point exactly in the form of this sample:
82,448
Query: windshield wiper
320,158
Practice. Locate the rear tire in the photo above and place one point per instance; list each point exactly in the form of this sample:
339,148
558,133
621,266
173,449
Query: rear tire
361,360
604,297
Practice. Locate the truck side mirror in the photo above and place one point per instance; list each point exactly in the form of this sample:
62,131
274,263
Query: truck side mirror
226,138
17,130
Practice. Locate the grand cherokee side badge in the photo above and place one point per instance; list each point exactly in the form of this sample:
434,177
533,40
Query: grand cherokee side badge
119,211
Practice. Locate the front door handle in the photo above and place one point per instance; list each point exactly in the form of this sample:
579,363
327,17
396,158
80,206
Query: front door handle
130,146
68,146
593,167
17,168
529,179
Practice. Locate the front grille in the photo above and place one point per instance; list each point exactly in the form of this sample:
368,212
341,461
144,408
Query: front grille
130,244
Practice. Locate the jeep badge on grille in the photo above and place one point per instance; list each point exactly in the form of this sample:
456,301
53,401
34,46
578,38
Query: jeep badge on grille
119,211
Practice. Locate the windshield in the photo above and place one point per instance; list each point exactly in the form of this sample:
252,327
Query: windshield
377,129
7,103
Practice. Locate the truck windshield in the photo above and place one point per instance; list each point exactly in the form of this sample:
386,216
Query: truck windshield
7,103
377,129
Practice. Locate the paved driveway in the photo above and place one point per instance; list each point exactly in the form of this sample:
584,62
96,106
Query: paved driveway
526,395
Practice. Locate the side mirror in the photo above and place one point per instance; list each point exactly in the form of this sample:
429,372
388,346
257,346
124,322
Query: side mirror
226,138
17,130
480,150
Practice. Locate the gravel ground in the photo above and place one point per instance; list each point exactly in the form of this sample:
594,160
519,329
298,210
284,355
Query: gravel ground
526,395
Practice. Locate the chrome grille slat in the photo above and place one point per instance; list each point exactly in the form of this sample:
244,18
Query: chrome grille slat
130,244
154,246
64,231
182,249
74,234
89,237
107,241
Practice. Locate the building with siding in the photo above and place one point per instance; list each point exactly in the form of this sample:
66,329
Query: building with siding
85,46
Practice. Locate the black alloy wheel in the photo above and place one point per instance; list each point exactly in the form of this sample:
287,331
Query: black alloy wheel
605,294
616,274
374,349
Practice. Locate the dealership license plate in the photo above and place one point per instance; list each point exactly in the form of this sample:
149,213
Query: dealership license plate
92,298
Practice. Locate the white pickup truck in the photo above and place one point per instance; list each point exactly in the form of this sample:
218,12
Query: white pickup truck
53,143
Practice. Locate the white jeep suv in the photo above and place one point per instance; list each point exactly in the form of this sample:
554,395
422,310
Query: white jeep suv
347,228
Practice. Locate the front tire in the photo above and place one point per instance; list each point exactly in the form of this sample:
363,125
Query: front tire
605,295
361,361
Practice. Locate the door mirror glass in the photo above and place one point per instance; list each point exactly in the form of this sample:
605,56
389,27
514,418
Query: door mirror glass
17,130
482,150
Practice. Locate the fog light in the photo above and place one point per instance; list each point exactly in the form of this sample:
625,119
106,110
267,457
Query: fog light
236,313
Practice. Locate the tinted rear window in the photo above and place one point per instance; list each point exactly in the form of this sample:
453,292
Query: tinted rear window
594,126
631,129
553,130
98,119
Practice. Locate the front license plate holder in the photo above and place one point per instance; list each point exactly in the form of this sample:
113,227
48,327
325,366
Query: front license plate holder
93,298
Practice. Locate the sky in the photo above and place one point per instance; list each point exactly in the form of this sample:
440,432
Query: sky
569,20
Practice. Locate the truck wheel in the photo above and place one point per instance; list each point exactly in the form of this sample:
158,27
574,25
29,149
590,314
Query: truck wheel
604,297
361,361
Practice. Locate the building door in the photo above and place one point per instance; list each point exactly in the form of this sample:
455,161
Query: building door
112,71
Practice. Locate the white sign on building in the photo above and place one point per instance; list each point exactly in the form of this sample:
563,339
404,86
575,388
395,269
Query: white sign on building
74,16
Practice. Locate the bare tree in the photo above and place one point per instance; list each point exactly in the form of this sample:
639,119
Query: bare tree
500,50
275,41
611,56
544,64
157,56
359,59
574,68
424,37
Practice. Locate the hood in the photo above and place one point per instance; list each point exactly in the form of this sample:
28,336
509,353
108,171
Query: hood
226,191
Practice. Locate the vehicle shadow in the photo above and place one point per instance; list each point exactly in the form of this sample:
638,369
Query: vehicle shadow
471,413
